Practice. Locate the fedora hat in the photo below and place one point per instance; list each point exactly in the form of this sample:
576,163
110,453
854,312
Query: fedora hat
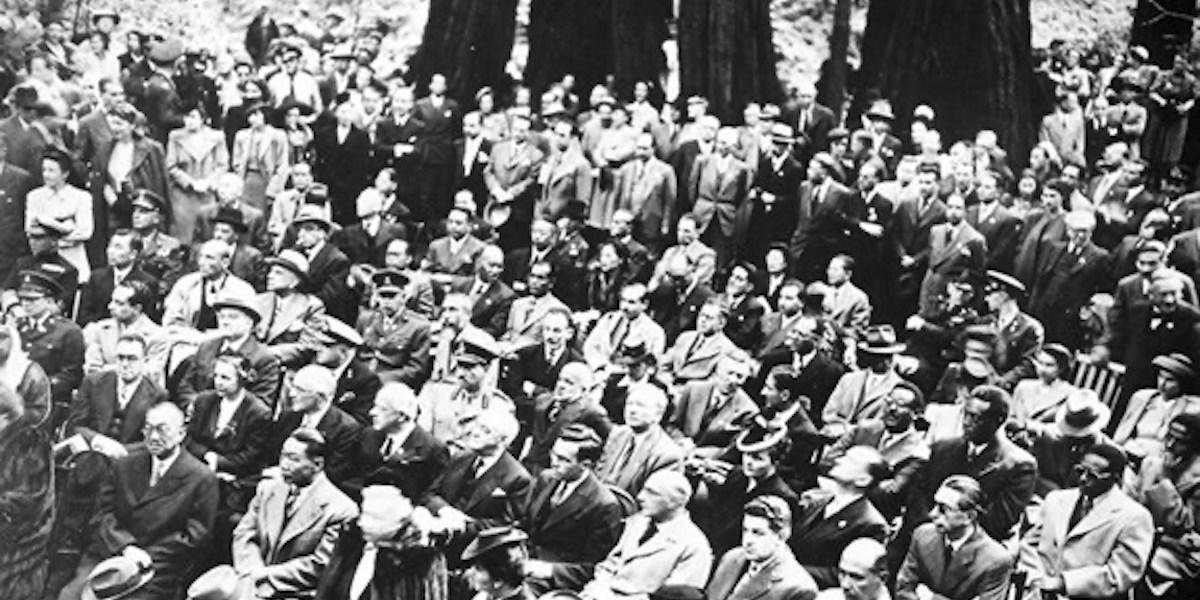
491,539
292,260
1083,414
880,339
237,302
116,578
219,583
782,132
881,109
310,213
1176,364
231,216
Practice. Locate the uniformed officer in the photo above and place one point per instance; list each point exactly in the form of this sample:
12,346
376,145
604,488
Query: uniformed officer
446,409
398,336
51,340
46,259
338,346
162,256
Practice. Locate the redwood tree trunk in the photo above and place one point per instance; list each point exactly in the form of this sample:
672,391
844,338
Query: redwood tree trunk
468,41
1164,27
968,59
639,29
839,44
569,36
726,54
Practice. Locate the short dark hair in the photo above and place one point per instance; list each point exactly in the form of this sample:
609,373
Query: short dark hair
135,244
141,297
544,263
506,564
133,338
998,400
972,494
929,167
1113,455
846,260
314,442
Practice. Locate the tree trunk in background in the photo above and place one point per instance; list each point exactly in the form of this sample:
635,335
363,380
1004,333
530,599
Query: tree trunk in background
639,29
468,41
569,36
968,59
726,54
839,45
1164,27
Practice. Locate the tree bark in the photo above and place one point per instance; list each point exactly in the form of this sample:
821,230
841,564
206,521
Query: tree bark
969,60
468,41
1163,27
726,54
839,45
639,29
569,36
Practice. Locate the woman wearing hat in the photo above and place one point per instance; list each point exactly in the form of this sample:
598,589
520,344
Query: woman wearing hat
1035,402
493,121
196,153
1144,425
496,564
64,209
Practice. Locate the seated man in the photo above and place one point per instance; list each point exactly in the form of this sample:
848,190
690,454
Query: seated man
157,509
708,413
311,407
395,450
525,317
763,560
482,487
862,573
696,353
860,394
1092,541
445,410
570,402
246,262
455,253
237,317
535,369
282,561
953,557
632,365
124,246
838,513
337,349
287,312
630,323
491,298
128,305
110,408
189,305
1079,426
572,519
397,336
639,448
660,545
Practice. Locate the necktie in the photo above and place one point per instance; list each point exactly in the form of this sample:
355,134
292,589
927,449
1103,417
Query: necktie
949,235
289,505
560,494
947,553
619,333
651,529
692,348
156,473
386,450
1082,508
477,469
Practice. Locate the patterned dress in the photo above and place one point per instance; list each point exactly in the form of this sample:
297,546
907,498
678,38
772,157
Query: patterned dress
26,510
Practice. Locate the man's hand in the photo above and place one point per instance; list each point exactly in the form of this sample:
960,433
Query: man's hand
871,229
108,447
137,555
1053,584
539,569
907,261
914,323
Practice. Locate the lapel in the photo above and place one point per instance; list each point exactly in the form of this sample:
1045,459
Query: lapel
292,308
574,505
708,348
171,480
760,583
140,152
139,483
488,482
661,540
273,514
139,403
814,515
310,510
1102,513
1049,399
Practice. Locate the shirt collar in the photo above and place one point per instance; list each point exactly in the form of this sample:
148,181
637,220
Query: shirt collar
162,465
315,418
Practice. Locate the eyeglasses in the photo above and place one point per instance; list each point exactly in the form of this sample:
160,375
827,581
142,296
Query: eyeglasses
162,429
128,357
1082,472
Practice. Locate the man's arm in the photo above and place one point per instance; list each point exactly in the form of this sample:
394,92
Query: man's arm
302,573
1127,561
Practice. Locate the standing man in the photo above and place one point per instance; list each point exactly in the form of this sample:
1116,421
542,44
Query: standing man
510,179
954,246
343,153
827,214
328,267
1065,282
1001,228
647,188
718,185
565,177
440,119
49,339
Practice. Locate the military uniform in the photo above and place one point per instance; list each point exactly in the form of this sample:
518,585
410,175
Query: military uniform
400,343
163,257
64,273
52,341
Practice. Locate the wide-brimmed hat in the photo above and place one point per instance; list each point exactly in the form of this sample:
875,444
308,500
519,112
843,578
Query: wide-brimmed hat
237,302
116,578
342,52
231,216
1083,414
219,583
782,132
881,109
310,213
1176,364
880,339
491,539
758,439
292,260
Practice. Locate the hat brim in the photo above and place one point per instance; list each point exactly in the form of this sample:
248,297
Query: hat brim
1174,367
326,225
293,267
881,350
768,441
1095,427
145,578
251,311
475,549
882,116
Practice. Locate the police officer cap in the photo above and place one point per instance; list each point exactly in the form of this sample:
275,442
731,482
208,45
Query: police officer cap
38,282
389,280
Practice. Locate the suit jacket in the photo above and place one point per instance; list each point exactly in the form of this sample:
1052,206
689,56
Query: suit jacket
627,465
469,174
712,513
263,380
412,467
781,578
344,167
459,263
292,549
243,446
849,307
575,535
514,169
26,144
93,134
743,323
440,125
1130,293
828,220
611,330
1016,345
717,194
496,498
401,345
816,381
818,540
816,128
272,159
530,365
96,410
15,183
1040,230
566,177
676,314
1067,132
980,568
912,228
852,400
775,333
256,235
650,196
1152,334
1064,284
148,172
1102,556
328,271
545,431
172,521
285,321
695,417
342,436
695,357
524,326
906,454
676,554
181,308
93,303
966,249
100,344
1001,231
1006,473
1184,253
362,248
490,311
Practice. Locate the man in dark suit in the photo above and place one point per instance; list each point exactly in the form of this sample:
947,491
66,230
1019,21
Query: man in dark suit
395,450
676,303
776,324
396,147
366,241
813,120
441,118
472,153
719,185
827,520
110,407
236,318
1006,473
310,406
157,509
912,223
1184,253
570,402
762,566
511,179
952,556
955,247
343,153
1134,289
328,267
710,413
685,157
456,252
571,518
15,183
482,487
815,372
24,140
123,249
1001,228
647,187
536,368
827,213
773,213
94,132
491,298
1067,279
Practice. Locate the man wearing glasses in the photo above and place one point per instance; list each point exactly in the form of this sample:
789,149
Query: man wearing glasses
157,510
110,409
1092,541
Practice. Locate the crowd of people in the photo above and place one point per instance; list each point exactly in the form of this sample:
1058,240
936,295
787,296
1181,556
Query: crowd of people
278,326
